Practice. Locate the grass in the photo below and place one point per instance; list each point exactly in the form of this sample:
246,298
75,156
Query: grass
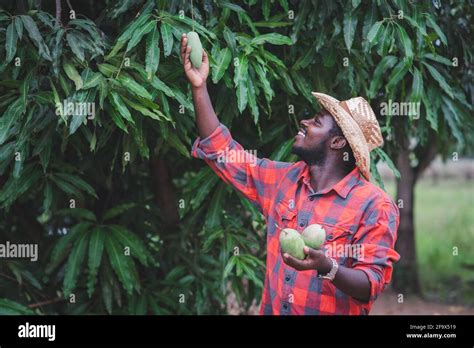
444,224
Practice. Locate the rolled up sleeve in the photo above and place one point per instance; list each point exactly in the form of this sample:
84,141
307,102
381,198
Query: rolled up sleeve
376,239
254,177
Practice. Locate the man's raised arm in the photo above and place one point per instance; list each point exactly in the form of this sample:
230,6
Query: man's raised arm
206,118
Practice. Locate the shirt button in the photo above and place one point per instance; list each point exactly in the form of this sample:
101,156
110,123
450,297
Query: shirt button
285,306
301,224
311,198
287,278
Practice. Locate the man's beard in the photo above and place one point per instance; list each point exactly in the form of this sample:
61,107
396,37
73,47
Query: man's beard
315,156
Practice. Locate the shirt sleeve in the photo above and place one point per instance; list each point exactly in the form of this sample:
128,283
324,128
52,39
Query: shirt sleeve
256,178
377,236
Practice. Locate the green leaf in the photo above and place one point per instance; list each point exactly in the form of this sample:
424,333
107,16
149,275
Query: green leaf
139,33
118,210
75,46
385,40
398,73
167,37
73,266
10,43
229,266
78,182
252,100
118,120
273,38
451,115
214,212
306,59
240,77
92,80
78,213
16,187
19,26
96,248
222,64
381,153
439,78
417,86
160,85
405,41
120,106
176,143
193,24
242,96
128,239
9,307
157,115
230,39
11,115
232,7
283,151
350,25
61,248
72,73
132,86
25,86
152,59
264,81
374,31
121,264
127,34
439,59
204,189
302,85
385,64
36,37
432,23
106,280
48,197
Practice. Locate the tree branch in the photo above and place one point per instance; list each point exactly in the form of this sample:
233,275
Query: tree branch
425,154
43,303
58,12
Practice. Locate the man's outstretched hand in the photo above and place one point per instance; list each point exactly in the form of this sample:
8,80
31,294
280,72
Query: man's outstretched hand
197,77
315,260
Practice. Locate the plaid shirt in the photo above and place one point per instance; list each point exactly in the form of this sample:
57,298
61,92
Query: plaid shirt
355,214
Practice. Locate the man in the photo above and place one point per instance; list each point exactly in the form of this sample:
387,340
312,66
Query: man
329,187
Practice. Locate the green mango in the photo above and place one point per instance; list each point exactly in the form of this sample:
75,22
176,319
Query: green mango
314,236
196,49
292,243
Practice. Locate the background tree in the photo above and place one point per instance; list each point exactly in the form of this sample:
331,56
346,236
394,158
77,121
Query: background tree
125,220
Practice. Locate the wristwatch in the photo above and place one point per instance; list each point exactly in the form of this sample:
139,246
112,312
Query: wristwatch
332,273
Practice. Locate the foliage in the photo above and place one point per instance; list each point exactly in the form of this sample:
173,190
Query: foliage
122,57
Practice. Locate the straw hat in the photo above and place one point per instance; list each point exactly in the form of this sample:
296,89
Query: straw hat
359,125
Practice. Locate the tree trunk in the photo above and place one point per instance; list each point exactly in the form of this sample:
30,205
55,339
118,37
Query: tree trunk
405,275
163,189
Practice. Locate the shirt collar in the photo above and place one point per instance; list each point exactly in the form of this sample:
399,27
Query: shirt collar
342,188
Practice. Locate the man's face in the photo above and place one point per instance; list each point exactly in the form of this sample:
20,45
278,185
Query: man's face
312,141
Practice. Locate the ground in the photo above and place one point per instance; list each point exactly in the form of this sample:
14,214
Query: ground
387,304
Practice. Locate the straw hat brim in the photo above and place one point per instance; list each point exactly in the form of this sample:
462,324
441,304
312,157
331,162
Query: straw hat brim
350,129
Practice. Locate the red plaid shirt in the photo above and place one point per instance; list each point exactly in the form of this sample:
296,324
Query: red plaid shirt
354,212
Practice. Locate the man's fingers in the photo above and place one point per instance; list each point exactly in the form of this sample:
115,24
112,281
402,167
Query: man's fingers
205,59
315,254
184,41
294,262
187,62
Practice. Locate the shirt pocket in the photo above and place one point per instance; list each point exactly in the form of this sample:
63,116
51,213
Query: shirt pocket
285,215
338,244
